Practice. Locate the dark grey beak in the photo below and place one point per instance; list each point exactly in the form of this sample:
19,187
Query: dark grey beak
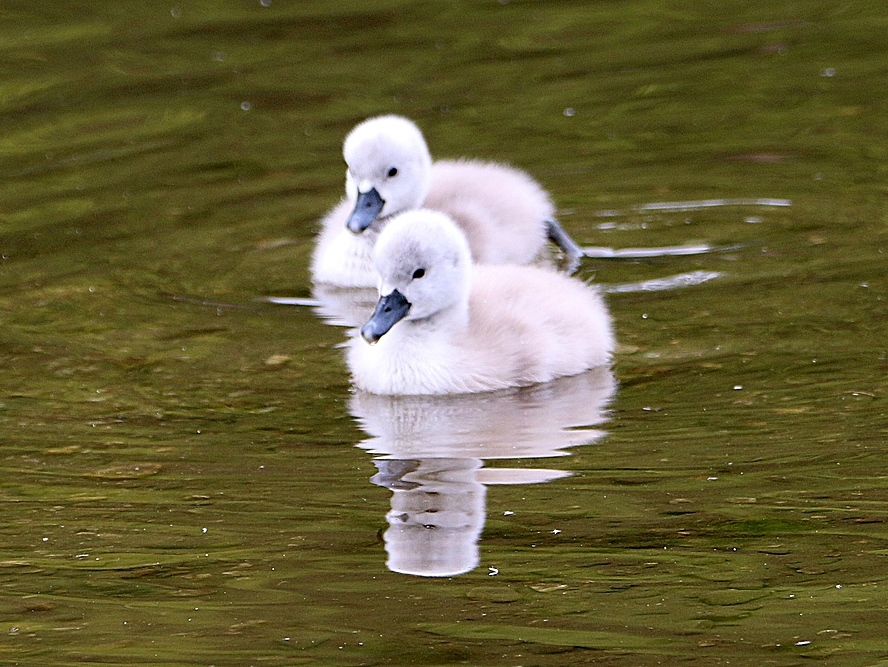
390,310
367,207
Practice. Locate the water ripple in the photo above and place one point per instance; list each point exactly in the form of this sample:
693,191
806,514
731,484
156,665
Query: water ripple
698,205
678,281
600,252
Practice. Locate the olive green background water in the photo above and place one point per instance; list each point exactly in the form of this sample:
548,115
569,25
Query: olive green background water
180,484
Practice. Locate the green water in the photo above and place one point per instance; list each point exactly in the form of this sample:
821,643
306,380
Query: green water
180,481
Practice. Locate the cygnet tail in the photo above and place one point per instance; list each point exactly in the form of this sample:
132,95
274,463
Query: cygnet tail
562,239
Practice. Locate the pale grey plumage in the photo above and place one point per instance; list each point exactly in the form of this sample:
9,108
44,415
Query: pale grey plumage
473,328
506,215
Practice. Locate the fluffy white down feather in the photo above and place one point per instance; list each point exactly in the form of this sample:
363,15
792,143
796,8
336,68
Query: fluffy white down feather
502,210
474,328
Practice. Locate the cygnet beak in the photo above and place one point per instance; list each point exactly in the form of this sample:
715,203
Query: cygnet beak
390,310
367,207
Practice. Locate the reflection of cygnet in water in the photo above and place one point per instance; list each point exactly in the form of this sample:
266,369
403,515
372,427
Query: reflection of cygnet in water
530,422
431,451
437,515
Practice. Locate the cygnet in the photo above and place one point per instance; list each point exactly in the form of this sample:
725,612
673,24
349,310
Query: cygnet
505,214
445,326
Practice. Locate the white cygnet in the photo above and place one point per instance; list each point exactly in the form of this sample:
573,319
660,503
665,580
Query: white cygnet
505,214
445,326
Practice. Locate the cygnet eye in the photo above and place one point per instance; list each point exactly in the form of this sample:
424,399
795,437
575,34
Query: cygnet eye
392,172
419,273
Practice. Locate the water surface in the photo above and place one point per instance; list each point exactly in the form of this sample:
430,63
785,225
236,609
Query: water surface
188,477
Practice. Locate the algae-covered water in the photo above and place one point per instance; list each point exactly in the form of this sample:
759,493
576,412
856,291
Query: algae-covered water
187,477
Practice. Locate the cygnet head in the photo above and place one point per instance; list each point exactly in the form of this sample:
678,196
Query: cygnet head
389,169
424,267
